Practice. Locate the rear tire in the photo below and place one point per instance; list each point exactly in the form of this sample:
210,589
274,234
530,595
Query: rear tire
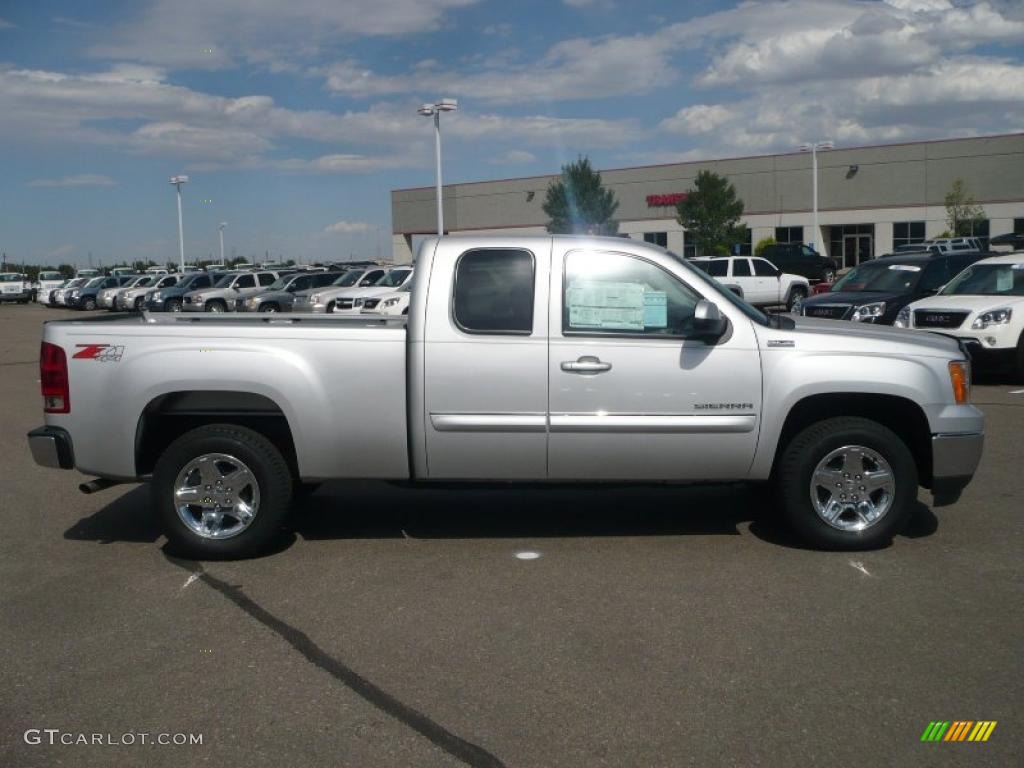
828,276
801,493
266,466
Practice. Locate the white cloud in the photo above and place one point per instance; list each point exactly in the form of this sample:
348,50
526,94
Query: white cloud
513,157
275,34
80,180
697,119
348,227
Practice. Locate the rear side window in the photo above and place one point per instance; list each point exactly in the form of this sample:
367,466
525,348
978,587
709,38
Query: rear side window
718,267
201,282
935,275
323,278
266,278
245,281
741,268
494,291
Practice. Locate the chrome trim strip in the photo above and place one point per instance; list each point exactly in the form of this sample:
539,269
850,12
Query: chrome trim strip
489,422
647,424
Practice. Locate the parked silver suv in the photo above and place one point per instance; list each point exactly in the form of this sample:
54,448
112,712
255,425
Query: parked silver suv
280,296
324,299
221,297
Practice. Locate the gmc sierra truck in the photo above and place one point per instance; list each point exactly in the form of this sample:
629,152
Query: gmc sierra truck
557,358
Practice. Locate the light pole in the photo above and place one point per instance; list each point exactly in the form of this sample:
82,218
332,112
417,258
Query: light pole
221,227
813,149
434,111
177,181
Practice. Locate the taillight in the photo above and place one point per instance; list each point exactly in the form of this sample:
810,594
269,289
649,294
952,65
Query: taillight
53,379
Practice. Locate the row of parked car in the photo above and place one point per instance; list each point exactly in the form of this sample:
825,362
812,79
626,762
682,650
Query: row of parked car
372,289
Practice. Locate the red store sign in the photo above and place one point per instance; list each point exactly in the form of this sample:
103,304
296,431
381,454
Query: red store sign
663,201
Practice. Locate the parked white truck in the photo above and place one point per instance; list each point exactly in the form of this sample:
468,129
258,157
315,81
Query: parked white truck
524,359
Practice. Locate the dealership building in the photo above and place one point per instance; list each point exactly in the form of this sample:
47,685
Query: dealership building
870,199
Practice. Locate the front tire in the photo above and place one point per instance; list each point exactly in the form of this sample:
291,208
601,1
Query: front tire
89,305
268,307
846,483
222,491
172,305
216,306
137,304
796,297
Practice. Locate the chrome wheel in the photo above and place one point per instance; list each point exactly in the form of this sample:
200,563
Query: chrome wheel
852,488
216,496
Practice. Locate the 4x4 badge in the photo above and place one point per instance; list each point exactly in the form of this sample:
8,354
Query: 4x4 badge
105,353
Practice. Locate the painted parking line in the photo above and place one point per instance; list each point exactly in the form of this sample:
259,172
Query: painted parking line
1017,391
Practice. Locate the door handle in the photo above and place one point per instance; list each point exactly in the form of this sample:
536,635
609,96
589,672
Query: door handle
586,364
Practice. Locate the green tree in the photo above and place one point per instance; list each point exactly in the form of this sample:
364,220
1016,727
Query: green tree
577,202
711,213
961,211
762,244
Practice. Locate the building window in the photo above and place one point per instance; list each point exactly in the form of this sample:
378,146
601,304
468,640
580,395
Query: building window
656,238
907,233
494,291
689,248
742,246
975,228
789,234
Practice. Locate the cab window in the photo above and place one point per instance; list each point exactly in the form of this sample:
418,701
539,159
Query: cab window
763,268
493,291
740,268
617,294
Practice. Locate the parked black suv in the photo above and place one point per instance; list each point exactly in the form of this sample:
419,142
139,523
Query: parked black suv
800,259
875,291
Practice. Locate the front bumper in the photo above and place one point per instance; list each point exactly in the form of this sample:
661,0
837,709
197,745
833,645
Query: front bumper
955,457
16,296
989,357
51,447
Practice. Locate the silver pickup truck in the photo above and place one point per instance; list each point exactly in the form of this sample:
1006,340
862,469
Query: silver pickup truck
522,359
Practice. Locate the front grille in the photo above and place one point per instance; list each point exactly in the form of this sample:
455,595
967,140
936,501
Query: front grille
829,311
371,303
934,318
345,303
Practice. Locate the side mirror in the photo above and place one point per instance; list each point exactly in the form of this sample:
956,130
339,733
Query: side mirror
708,322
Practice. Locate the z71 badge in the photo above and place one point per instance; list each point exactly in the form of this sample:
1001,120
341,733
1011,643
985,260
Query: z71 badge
105,353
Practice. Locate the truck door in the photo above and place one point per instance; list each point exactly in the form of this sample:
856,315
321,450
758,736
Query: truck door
485,361
768,282
631,398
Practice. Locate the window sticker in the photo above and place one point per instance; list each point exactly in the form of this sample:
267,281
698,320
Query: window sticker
904,267
655,309
606,306
1017,266
1004,281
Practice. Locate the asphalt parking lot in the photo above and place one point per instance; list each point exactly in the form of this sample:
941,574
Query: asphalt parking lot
656,627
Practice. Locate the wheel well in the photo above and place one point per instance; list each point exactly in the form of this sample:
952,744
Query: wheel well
168,417
902,416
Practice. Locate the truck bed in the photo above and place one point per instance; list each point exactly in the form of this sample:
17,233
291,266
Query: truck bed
338,381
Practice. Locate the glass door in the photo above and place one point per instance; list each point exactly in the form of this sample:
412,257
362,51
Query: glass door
856,249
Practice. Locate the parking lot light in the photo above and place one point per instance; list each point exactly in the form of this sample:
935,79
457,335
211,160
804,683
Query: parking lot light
814,148
435,110
177,181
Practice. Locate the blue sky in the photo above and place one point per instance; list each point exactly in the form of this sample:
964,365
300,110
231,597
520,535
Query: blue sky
296,119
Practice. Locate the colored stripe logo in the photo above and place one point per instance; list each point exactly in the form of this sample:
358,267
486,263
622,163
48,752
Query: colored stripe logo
959,730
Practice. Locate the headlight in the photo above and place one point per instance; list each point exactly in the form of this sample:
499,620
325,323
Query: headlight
157,296
253,302
315,298
390,302
992,317
73,294
903,318
869,312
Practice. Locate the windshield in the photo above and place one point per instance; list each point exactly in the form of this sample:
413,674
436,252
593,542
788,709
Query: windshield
11,278
896,278
393,278
282,282
349,278
94,282
141,282
50,276
987,280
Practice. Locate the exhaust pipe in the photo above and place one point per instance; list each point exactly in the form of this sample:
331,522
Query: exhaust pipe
99,484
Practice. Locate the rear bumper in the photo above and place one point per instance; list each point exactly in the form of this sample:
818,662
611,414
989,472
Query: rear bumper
51,447
955,458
